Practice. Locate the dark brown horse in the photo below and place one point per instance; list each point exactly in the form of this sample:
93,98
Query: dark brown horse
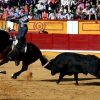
32,54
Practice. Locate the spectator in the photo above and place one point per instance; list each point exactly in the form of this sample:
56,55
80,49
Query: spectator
98,12
81,5
44,6
65,4
48,1
5,3
12,15
61,9
52,15
29,2
22,3
85,13
37,15
44,15
8,8
93,13
18,10
26,9
57,4
5,15
40,7
8,3
43,1
34,10
69,15
60,15
1,10
15,3
1,13
73,6
78,2
0,2
49,7
30,8
91,3
78,13
30,15
87,4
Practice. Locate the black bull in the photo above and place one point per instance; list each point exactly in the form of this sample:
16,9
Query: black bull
33,53
73,63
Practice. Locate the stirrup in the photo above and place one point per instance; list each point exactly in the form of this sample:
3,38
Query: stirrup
10,58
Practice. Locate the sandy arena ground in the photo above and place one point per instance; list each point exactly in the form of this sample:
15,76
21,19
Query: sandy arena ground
38,84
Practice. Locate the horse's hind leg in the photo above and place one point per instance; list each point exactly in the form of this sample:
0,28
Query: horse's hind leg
24,68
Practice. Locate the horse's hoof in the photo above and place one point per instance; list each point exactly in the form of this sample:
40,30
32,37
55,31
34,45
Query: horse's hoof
13,77
3,72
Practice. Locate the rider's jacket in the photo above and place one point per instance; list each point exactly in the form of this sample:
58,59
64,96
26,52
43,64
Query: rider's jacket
22,30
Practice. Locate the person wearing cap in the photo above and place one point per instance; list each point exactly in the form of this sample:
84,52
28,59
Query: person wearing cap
22,31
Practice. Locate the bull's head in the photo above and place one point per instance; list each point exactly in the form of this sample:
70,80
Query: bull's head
50,66
47,65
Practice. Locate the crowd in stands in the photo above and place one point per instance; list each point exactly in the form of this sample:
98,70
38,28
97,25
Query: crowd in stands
50,9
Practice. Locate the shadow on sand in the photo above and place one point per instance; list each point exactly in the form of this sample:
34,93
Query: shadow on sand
72,79
69,80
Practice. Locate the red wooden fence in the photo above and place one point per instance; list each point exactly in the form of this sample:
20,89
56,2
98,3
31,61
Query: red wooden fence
64,41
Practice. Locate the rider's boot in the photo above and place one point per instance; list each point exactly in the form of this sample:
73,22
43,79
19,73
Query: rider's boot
17,62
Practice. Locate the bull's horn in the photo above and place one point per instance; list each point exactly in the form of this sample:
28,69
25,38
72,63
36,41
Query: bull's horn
46,64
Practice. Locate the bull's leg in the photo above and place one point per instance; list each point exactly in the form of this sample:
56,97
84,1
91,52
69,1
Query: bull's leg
60,77
97,75
76,78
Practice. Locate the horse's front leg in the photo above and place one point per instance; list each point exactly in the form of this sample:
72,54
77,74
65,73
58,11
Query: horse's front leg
4,56
24,68
3,61
3,71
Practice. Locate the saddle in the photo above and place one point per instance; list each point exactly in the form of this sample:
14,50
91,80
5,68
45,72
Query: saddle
23,48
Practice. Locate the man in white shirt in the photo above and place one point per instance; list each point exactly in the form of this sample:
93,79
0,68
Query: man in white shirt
69,15
60,15
40,7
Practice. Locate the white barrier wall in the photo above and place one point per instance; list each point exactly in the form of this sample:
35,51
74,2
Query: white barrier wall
72,27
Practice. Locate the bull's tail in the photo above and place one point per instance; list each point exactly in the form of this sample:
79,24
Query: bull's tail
43,60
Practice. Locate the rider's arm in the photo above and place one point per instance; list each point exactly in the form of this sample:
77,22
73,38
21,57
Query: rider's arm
14,20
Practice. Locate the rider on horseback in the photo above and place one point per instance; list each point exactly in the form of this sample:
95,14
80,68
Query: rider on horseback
22,31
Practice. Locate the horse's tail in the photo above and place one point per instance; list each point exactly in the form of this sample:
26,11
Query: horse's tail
43,60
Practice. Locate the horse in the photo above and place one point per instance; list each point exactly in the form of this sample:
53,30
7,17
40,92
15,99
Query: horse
32,54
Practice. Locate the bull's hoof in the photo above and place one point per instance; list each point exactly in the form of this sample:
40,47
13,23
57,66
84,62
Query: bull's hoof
3,72
13,76
57,82
76,84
